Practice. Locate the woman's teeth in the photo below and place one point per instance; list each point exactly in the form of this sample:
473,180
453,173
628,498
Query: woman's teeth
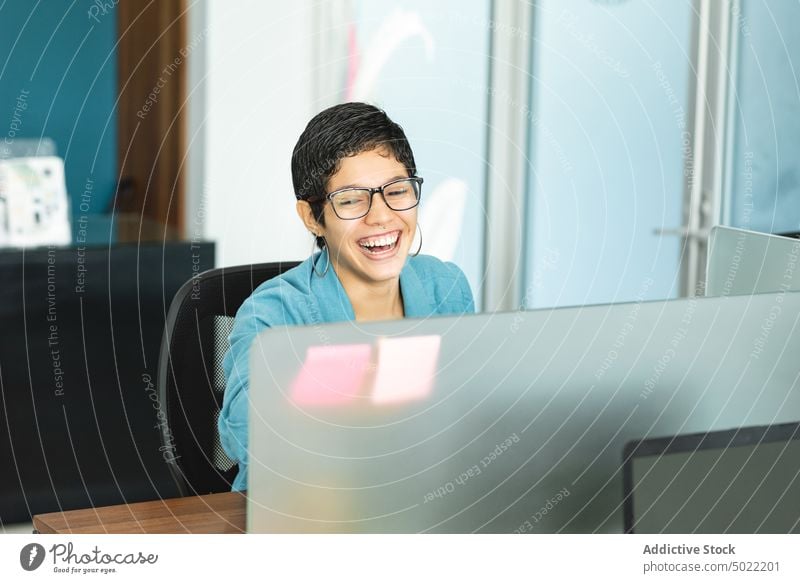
380,244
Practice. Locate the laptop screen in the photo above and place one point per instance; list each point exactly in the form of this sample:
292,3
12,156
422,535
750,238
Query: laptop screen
737,481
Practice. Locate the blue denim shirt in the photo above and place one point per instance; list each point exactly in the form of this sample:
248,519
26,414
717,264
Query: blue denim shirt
299,297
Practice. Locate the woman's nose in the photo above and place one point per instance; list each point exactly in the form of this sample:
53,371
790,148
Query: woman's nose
379,211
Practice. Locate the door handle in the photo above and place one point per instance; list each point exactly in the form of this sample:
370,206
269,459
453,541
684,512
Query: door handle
685,232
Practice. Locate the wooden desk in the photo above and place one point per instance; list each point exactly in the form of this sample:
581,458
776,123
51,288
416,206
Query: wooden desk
210,514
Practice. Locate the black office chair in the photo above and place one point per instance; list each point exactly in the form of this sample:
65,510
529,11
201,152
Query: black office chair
191,382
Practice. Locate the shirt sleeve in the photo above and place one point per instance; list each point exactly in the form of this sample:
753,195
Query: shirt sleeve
266,308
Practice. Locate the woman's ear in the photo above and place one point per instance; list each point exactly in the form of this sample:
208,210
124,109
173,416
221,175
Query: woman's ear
307,216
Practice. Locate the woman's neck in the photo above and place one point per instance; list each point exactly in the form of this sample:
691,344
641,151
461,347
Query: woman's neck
375,300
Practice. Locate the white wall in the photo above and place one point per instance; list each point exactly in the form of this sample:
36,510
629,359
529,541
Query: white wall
257,99
195,118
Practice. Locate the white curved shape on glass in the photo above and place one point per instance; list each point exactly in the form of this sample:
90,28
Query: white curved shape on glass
383,43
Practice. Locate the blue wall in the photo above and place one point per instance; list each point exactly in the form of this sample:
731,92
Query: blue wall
66,61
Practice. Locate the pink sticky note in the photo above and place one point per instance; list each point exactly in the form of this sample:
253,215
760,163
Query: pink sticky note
331,375
406,369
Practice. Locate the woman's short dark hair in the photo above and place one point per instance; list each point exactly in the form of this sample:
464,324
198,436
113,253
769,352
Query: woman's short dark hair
336,133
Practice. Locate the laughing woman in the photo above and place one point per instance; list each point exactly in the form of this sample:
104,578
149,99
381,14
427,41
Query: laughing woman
357,193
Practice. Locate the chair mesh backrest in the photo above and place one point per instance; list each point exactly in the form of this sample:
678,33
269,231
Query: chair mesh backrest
223,326
191,378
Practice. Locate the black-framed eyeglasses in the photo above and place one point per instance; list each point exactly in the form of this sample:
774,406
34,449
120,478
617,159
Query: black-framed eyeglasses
399,195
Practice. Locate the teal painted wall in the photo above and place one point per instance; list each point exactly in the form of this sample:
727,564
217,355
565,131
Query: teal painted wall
62,60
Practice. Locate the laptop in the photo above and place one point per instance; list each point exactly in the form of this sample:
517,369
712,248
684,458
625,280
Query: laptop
500,423
744,480
746,262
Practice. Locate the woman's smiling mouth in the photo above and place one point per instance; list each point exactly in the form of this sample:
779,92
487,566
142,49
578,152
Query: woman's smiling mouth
379,245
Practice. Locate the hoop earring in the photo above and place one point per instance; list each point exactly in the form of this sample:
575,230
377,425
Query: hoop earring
420,242
313,261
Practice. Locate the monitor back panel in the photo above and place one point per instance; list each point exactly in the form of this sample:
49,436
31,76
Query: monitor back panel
747,262
525,420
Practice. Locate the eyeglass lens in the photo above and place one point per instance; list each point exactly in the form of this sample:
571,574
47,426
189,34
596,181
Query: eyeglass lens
355,202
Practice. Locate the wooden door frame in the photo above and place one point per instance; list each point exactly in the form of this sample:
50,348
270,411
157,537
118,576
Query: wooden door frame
151,121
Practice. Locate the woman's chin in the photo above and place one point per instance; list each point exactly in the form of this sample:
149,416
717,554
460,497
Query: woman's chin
385,265
387,268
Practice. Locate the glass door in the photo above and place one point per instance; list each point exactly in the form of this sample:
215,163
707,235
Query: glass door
609,152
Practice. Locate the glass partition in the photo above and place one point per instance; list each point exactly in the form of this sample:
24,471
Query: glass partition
611,125
427,65
763,191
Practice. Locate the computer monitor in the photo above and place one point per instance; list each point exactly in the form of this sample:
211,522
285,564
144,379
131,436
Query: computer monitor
509,422
744,480
746,262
